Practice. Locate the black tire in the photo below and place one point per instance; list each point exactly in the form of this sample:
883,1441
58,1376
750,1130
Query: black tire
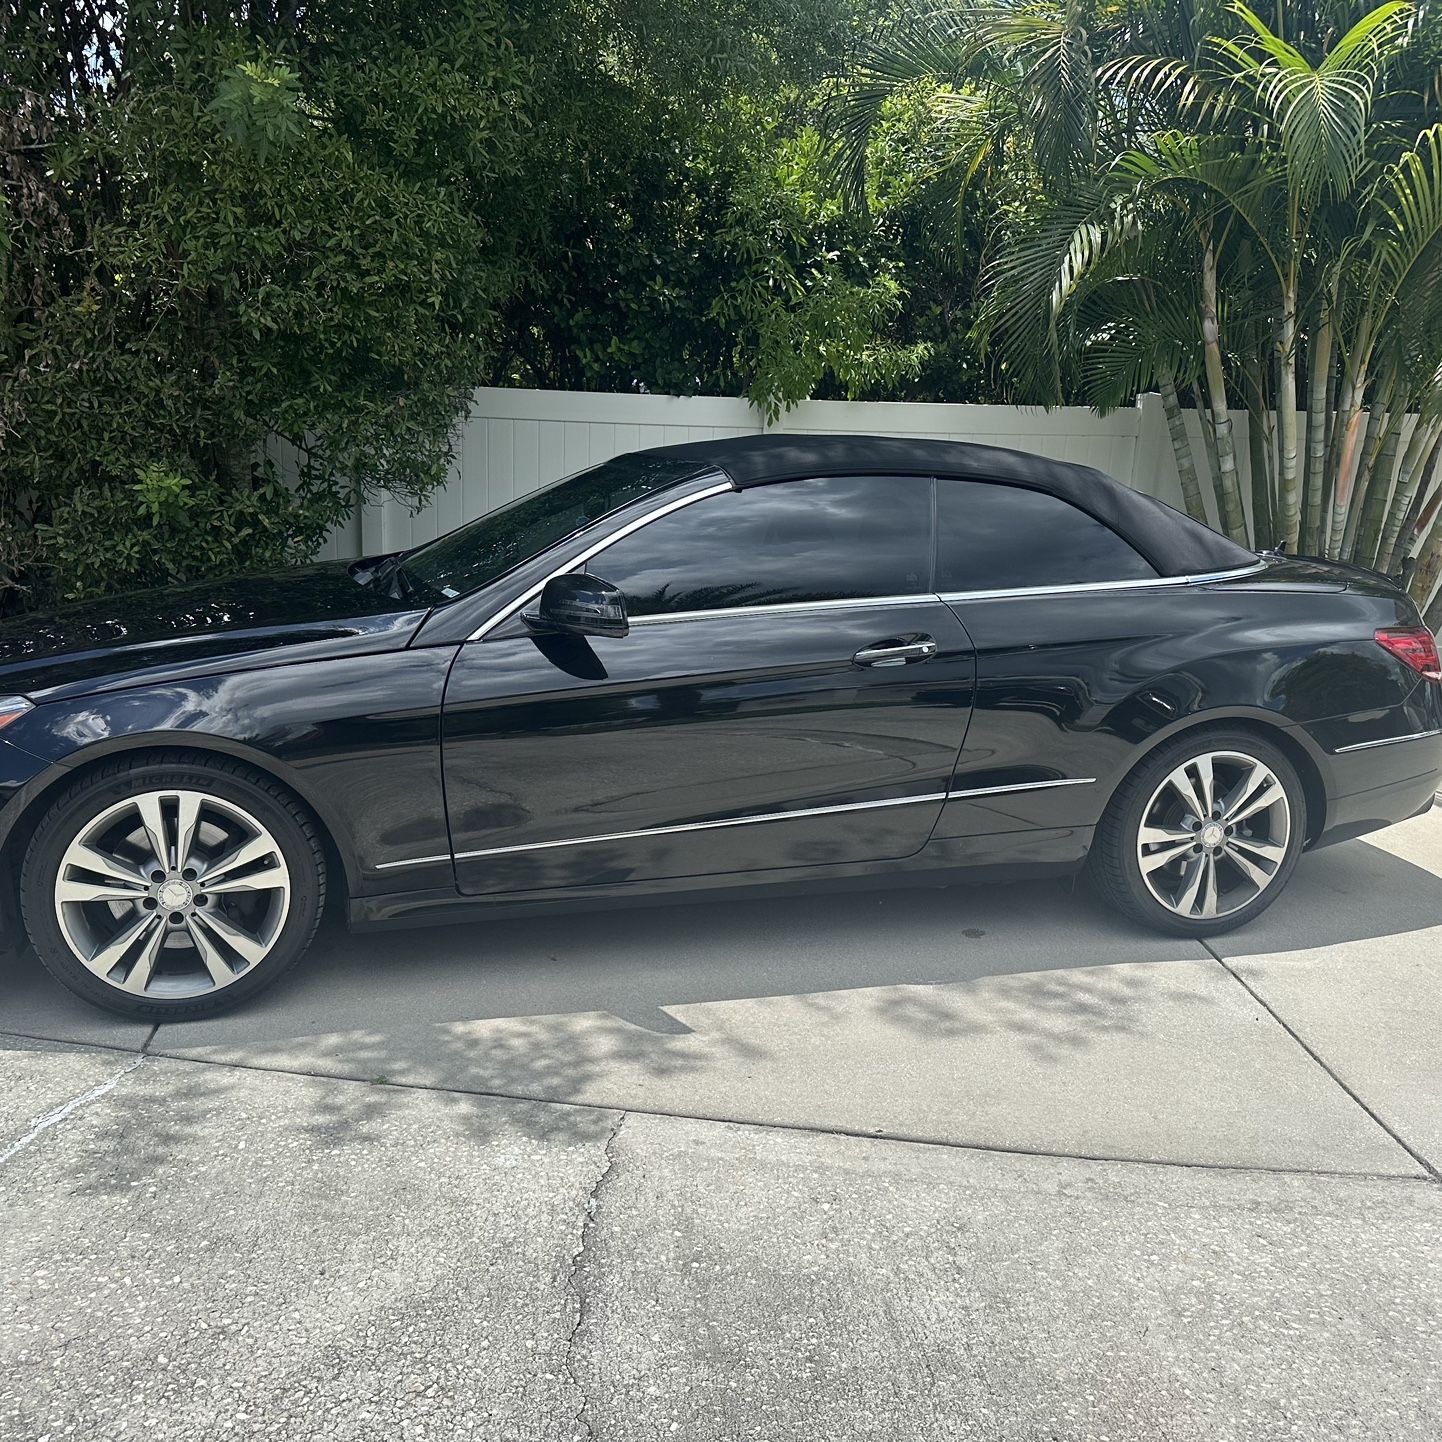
1114,864
295,834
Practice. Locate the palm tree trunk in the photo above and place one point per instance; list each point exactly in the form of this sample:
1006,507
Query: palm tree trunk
1182,450
1229,486
1362,484
1425,509
1424,578
1209,436
1379,490
1417,461
1347,439
1319,366
1259,445
1288,519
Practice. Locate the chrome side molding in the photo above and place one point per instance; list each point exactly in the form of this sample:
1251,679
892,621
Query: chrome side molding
942,796
1388,741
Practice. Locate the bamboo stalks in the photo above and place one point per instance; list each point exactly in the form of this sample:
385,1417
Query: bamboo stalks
1288,518
1319,365
1229,487
1418,460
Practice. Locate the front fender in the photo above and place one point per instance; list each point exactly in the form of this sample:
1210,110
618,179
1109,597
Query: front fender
357,739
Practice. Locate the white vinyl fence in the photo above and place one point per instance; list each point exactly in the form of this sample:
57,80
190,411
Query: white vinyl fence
515,441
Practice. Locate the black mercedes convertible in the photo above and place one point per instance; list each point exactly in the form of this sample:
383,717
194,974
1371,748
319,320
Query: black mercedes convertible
779,660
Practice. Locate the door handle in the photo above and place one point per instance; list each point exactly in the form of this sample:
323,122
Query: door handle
896,653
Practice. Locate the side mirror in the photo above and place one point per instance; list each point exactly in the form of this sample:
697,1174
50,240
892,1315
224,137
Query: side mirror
576,605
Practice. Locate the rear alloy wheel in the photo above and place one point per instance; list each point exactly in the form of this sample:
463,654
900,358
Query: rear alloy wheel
1202,836
179,897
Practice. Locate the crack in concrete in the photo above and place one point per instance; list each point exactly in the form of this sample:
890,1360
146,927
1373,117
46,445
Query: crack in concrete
40,1125
581,1422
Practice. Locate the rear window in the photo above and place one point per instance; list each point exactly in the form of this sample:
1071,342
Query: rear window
993,537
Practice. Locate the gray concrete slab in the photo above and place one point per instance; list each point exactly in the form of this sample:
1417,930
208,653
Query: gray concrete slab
1009,1016
205,1253
33,1003
745,1284
38,1078
1352,962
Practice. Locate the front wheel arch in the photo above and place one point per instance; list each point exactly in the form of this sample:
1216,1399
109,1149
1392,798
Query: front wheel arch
171,751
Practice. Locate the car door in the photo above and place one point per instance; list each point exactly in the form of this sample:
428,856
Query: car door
792,693
1062,613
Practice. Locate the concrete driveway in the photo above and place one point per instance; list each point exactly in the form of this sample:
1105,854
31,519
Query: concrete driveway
981,1163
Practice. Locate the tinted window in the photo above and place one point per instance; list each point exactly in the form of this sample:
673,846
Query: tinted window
487,548
1000,538
833,539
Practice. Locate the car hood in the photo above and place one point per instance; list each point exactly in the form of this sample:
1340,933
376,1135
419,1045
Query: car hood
190,629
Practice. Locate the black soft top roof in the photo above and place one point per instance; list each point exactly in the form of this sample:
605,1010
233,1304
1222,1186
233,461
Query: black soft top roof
1175,544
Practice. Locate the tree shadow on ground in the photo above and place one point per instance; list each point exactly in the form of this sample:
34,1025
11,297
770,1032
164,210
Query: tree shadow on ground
559,1007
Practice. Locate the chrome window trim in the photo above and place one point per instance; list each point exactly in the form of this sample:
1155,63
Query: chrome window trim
511,607
941,796
1388,741
782,607
1200,579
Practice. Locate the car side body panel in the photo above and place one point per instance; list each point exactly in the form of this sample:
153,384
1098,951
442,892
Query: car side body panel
1070,688
356,737
573,759
1084,684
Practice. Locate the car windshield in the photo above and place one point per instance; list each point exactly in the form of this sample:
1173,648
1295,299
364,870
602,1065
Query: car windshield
479,553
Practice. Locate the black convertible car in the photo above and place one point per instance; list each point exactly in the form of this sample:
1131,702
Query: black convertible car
768,660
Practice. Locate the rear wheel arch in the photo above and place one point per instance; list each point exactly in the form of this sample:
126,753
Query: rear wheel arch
1297,750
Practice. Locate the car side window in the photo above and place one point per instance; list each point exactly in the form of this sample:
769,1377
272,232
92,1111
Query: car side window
834,538
993,537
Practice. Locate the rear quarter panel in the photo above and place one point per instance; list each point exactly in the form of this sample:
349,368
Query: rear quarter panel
1083,685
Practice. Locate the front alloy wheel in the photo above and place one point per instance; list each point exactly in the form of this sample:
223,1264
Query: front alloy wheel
172,893
172,887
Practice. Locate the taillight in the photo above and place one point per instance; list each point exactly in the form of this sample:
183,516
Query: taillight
1416,647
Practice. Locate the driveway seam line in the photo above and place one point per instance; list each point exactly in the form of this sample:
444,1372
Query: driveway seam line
1433,1174
112,1046
42,1124
903,1138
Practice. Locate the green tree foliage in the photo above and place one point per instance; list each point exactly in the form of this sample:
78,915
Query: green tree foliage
226,224
1244,207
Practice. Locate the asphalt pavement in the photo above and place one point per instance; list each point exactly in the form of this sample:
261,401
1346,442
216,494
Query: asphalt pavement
977,1163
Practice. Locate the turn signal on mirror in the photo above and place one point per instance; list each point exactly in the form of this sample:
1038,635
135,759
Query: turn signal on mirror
12,708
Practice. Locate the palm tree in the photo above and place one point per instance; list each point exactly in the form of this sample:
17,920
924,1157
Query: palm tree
1191,200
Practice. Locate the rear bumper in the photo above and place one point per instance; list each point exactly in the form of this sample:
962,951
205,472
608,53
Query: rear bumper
1379,786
